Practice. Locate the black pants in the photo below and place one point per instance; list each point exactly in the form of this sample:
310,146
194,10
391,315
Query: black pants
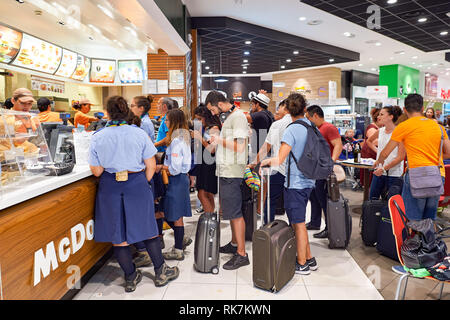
318,200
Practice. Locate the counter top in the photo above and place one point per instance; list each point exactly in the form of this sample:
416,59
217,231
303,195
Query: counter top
40,185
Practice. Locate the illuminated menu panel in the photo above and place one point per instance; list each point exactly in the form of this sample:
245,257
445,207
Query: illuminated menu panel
10,41
38,55
103,71
131,71
82,68
68,64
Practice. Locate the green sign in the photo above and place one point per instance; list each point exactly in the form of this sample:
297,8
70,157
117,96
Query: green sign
400,79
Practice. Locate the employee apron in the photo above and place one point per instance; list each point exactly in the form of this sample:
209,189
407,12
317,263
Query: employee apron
124,211
177,201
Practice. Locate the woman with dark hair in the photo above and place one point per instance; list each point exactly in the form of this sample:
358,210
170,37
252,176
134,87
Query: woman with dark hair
366,150
123,157
81,118
177,202
391,173
430,114
141,106
206,124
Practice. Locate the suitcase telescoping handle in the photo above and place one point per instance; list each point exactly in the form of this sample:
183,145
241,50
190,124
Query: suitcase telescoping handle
264,170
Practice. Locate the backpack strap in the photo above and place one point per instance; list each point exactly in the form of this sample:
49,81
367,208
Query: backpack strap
291,155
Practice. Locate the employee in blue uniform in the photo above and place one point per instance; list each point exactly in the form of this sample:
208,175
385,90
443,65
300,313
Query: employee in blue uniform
177,203
123,157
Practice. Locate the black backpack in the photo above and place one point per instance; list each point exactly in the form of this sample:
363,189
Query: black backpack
315,162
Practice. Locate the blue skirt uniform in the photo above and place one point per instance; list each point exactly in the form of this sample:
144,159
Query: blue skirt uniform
124,211
177,201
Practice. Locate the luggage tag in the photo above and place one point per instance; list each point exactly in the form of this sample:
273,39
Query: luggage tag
122,176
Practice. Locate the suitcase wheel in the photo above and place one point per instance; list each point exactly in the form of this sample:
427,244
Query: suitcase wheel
215,270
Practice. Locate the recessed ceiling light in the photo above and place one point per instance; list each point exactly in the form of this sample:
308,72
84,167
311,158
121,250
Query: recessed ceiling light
106,11
378,44
245,61
373,69
434,64
282,67
246,53
349,35
444,33
244,72
302,18
422,20
295,52
288,60
210,72
360,65
248,42
207,68
203,61
244,67
415,57
331,60
392,1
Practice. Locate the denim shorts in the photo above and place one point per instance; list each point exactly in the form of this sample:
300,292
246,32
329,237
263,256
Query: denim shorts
230,196
418,209
295,202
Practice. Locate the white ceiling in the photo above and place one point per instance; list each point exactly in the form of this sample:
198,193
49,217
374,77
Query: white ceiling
283,15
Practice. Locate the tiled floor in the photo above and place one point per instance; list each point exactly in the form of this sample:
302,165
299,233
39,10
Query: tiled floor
339,277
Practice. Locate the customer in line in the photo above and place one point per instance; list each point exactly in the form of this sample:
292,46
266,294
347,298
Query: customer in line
273,145
260,119
177,203
319,194
391,173
231,161
45,111
123,157
297,187
141,106
205,125
430,114
81,118
422,139
439,116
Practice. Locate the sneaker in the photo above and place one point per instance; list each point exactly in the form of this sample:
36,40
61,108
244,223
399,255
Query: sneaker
399,270
312,263
174,254
228,248
199,210
310,227
130,285
186,242
166,274
321,235
302,269
236,262
142,259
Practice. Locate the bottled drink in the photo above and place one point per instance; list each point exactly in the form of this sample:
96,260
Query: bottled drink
357,153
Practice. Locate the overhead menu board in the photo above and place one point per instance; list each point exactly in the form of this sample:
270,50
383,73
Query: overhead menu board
131,71
10,41
38,55
68,64
82,68
103,71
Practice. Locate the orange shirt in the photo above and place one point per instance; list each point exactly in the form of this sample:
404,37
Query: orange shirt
83,119
49,116
422,140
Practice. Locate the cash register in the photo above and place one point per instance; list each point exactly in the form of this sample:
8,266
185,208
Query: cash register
97,125
59,139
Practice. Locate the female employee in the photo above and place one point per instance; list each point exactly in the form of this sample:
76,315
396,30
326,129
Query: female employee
122,156
83,107
177,203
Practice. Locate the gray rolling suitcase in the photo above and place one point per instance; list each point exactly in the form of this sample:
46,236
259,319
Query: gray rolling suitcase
274,252
207,242
339,223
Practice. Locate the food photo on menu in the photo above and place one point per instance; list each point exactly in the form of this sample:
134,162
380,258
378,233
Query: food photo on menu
103,71
131,71
10,41
82,69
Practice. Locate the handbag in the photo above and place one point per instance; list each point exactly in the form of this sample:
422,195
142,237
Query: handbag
426,182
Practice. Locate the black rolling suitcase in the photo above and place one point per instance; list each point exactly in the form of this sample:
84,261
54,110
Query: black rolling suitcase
385,237
274,252
370,220
249,206
207,243
339,221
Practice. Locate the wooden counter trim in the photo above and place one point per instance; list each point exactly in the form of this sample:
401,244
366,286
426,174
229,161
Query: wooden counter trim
29,226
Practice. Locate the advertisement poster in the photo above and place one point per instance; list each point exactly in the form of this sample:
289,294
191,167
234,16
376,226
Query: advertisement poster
10,41
431,85
38,55
377,92
47,85
68,64
176,80
82,69
103,71
131,71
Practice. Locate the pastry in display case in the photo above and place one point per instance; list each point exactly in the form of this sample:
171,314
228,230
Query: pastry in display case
24,153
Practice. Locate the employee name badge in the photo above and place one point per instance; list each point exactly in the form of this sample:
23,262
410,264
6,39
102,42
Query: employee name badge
122,176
